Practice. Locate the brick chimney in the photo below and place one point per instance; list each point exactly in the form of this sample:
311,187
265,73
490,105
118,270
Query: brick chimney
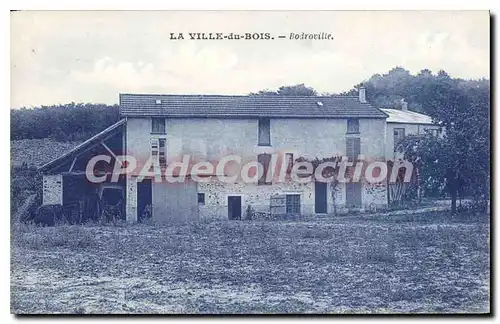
362,94
404,105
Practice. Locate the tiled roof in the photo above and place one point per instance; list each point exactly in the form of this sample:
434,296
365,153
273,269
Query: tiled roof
245,106
406,116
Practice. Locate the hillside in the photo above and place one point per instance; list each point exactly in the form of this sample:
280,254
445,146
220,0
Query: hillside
36,152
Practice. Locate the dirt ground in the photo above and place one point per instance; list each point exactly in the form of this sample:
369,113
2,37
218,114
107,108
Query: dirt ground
429,263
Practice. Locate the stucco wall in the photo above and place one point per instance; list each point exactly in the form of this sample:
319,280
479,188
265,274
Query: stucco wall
52,189
213,138
373,138
131,199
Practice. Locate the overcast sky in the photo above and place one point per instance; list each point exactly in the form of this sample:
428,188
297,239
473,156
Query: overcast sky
59,57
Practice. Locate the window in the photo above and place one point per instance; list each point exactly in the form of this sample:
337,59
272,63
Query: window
293,204
353,148
264,132
289,162
162,156
155,150
201,198
399,135
352,126
433,132
158,126
264,159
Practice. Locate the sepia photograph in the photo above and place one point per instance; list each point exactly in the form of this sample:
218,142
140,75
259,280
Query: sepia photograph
250,162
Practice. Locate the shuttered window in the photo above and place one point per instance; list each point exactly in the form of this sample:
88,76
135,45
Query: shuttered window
155,144
353,148
162,155
264,132
264,159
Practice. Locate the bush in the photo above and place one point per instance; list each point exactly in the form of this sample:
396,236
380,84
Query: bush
28,210
49,215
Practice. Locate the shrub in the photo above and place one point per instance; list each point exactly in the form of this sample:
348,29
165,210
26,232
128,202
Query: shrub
49,215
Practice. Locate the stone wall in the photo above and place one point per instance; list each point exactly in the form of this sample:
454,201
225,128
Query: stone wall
52,189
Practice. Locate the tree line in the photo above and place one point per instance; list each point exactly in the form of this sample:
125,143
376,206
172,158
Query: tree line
457,163
68,122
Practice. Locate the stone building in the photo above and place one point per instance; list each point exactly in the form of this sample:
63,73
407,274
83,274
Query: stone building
271,130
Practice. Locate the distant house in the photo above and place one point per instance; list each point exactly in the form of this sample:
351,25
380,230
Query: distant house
164,128
403,122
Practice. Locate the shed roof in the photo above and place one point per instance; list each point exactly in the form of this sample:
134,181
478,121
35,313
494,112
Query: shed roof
83,146
253,106
407,117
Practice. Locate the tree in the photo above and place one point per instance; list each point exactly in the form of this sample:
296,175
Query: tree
459,160
62,122
291,90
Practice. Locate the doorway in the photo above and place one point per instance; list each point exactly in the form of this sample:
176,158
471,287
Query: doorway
234,207
144,200
320,197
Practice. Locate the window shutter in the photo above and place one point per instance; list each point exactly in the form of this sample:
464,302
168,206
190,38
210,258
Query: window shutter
289,162
155,150
265,160
353,148
357,148
162,155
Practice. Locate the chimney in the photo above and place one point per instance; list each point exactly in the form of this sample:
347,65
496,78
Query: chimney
362,94
404,105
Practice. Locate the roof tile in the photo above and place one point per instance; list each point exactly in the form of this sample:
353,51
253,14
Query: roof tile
137,105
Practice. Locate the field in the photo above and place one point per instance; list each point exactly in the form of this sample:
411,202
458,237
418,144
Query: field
424,263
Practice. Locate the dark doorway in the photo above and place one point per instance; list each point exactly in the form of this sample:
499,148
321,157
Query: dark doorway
320,197
144,200
234,207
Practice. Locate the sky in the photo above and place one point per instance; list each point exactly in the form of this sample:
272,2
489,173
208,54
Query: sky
92,56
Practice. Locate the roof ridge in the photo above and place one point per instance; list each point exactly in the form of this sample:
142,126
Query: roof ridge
232,95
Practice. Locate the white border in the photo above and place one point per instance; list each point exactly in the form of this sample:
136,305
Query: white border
182,5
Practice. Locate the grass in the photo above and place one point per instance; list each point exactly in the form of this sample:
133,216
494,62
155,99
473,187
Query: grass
430,263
